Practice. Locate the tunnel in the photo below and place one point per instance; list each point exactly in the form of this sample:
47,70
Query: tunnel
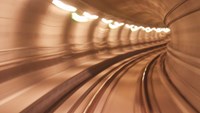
99,56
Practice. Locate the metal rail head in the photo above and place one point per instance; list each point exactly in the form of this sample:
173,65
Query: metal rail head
144,86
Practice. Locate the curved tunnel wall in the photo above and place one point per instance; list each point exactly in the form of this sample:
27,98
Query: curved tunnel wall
35,32
39,25
182,59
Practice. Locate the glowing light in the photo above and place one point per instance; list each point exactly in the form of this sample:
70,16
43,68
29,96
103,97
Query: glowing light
87,16
112,26
79,18
128,26
148,29
166,30
118,23
154,29
141,27
115,25
90,16
64,6
106,21
135,28
158,30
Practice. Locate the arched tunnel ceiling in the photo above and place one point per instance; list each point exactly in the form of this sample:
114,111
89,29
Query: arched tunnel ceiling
140,12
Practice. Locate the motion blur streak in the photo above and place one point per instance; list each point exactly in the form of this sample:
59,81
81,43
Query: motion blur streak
99,56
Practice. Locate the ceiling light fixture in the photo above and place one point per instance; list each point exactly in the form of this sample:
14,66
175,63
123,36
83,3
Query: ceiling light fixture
79,18
135,28
64,6
119,23
115,25
148,29
166,30
87,16
158,30
90,16
106,21
112,26
128,26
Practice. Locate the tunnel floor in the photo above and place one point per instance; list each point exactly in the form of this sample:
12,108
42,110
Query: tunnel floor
131,81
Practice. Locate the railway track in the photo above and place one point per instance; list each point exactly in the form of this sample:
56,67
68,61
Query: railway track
94,95
134,82
47,95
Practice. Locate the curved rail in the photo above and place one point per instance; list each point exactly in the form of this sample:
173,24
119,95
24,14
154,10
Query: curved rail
108,78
